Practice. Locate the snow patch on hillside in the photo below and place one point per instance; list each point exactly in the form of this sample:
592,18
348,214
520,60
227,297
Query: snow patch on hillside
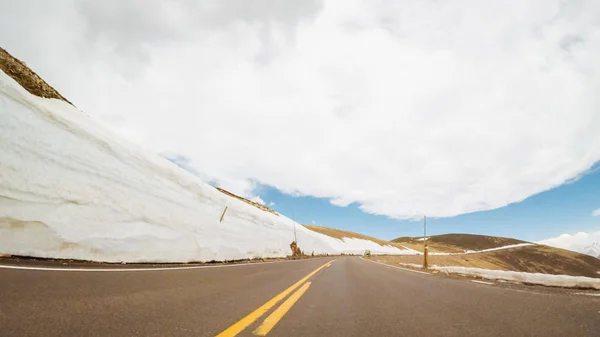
485,250
71,189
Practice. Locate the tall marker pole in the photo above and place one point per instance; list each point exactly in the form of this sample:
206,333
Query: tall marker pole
424,242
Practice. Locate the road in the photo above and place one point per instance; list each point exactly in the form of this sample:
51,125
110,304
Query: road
347,297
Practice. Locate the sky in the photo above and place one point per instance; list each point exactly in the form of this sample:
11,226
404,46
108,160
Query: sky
365,115
568,209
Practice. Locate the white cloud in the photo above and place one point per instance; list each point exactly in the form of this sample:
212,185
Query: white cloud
257,199
405,108
271,204
596,212
587,243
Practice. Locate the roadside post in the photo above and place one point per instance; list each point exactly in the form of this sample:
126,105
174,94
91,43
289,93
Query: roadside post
223,214
425,242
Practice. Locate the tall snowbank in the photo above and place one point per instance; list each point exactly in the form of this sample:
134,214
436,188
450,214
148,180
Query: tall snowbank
71,189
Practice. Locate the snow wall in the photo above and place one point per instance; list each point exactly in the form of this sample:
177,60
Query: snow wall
71,189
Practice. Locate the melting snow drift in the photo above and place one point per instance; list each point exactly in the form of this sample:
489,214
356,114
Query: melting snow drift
485,250
566,281
71,189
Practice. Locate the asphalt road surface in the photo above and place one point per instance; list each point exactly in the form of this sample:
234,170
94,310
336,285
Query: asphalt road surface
315,297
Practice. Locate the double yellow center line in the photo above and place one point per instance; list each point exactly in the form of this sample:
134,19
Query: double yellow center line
270,321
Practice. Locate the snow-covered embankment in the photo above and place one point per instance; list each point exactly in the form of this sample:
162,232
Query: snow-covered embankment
71,189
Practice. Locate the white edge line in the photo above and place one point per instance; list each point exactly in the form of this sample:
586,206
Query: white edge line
2,266
389,265
482,282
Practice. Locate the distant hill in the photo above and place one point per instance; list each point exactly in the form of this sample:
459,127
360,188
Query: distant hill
358,244
593,250
340,234
456,243
533,258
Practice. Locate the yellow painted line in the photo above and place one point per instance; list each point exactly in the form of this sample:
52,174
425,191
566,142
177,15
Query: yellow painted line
278,314
243,323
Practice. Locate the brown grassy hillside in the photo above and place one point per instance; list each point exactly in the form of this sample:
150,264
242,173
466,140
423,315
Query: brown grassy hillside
28,79
457,243
340,234
255,204
531,259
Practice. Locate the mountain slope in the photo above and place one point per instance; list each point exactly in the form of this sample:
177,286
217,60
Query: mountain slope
592,250
581,242
510,255
341,234
71,189
373,245
457,243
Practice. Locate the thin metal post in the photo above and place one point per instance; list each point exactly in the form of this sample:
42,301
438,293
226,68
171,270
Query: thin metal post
425,242
222,215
